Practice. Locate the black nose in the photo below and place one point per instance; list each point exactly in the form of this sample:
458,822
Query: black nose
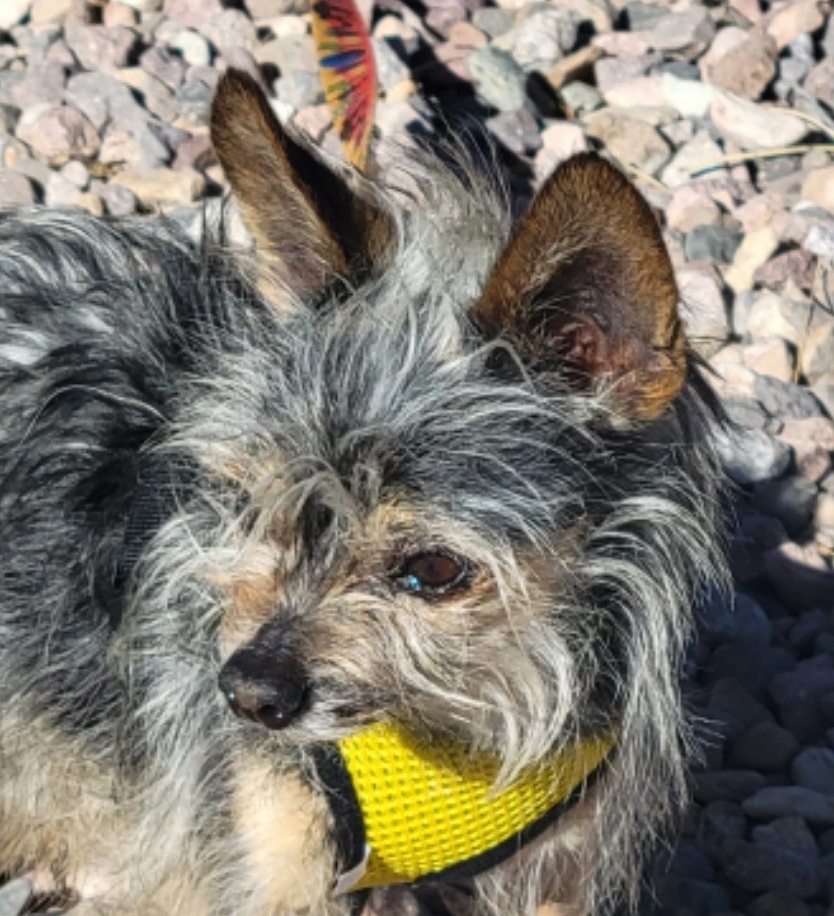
267,687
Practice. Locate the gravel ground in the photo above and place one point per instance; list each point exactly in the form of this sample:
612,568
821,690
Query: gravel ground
724,114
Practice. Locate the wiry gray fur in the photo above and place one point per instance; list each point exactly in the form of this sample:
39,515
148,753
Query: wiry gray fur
120,341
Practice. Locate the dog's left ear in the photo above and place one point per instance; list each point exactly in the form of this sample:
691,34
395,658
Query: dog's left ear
310,224
585,287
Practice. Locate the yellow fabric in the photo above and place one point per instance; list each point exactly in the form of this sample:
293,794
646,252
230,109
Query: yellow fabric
429,808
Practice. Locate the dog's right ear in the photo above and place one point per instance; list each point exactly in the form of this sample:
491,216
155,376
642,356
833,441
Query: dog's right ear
310,225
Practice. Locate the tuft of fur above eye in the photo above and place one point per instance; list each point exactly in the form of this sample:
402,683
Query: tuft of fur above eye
432,573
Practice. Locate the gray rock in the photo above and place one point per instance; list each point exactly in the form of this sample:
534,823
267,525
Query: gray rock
15,190
800,575
763,868
289,52
231,29
814,769
194,100
699,898
99,47
807,628
766,747
581,98
741,620
545,36
118,201
14,896
691,862
745,412
168,68
790,801
517,131
684,35
43,84
720,822
772,315
493,21
727,785
786,833
777,903
298,89
751,455
817,352
782,399
498,78
791,500
712,243
643,16
754,666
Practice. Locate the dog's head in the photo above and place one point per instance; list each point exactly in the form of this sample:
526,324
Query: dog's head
463,497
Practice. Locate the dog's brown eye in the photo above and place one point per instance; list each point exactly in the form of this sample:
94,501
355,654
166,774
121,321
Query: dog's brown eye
432,573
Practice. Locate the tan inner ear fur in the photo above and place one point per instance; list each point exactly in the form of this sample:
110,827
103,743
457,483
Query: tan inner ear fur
312,223
252,148
586,279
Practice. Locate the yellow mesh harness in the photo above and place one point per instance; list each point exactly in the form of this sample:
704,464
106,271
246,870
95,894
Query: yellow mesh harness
405,811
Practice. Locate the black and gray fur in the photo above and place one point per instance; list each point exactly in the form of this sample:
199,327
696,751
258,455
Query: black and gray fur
321,442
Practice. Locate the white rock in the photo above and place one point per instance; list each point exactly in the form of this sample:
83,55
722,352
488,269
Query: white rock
12,12
753,126
690,98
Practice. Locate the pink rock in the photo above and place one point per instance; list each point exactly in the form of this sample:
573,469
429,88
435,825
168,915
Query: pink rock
818,188
118,14
725,40
820,81
58,134
314,121
465,35
797,266
642,91
623,44
798,18
812,441
756,213
770,356
193,13
15,190
744,67
631,141
559,142
749,9
194,153
689,207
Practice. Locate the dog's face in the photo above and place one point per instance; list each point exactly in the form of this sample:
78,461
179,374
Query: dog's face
439,452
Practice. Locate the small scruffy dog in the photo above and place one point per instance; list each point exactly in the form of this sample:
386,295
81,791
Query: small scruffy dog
406,464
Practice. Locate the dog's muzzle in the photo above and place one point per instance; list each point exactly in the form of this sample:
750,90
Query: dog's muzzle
406,812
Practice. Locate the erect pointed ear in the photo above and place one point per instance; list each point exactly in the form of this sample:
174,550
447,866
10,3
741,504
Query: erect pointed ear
310,225
585,287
